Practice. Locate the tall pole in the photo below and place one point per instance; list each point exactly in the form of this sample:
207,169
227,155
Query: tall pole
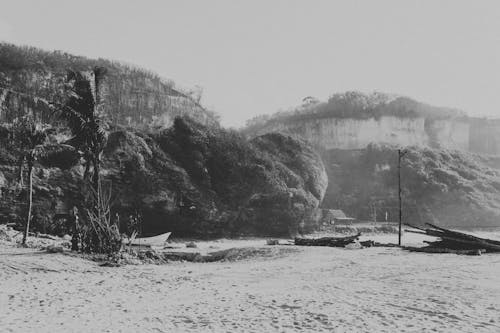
401,153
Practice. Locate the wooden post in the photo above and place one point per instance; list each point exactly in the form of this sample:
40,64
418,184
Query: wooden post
30,199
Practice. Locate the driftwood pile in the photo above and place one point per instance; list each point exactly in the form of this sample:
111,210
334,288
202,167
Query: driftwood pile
339,242
453,242
327,241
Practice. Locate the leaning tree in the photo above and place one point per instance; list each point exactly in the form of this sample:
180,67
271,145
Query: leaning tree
30,138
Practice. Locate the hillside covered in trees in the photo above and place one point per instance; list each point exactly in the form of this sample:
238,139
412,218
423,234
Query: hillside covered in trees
190,179
134,97
445,187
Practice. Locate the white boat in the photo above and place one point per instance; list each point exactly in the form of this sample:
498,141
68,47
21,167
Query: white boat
159,240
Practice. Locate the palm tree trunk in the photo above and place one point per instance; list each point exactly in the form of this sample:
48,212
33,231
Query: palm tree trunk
96,184
30,200
21,167
87,170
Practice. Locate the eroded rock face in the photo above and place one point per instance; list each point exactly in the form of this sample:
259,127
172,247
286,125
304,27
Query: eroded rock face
194,180
134,97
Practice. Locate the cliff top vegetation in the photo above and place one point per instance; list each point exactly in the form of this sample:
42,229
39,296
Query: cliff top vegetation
356,105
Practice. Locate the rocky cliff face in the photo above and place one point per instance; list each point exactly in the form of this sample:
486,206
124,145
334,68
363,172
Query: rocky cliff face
345,122
190,179
132,97
466,134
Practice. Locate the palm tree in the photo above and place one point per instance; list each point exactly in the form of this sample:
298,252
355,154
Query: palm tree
84,115
32,138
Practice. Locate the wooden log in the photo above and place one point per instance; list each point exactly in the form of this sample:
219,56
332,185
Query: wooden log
414,226
416,232
368,243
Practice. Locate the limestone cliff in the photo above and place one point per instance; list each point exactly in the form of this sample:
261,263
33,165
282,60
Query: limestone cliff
354,120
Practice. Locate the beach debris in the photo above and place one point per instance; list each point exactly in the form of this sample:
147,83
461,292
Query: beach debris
191,245
273,242
6,233
151,254
54,248
452,241
46,236
110,264
327,241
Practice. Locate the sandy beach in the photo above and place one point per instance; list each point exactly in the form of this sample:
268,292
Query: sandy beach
311,290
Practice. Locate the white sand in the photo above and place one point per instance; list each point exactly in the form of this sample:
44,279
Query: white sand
314,290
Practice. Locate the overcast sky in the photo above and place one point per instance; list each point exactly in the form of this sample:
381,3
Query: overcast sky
253,57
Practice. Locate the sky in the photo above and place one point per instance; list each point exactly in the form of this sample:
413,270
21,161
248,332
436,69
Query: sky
259,56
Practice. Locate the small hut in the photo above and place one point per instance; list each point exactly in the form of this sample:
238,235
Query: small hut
337,217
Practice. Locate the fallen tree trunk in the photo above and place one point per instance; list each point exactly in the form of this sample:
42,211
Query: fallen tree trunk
327,241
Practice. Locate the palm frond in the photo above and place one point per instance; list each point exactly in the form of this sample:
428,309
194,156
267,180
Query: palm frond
62,156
